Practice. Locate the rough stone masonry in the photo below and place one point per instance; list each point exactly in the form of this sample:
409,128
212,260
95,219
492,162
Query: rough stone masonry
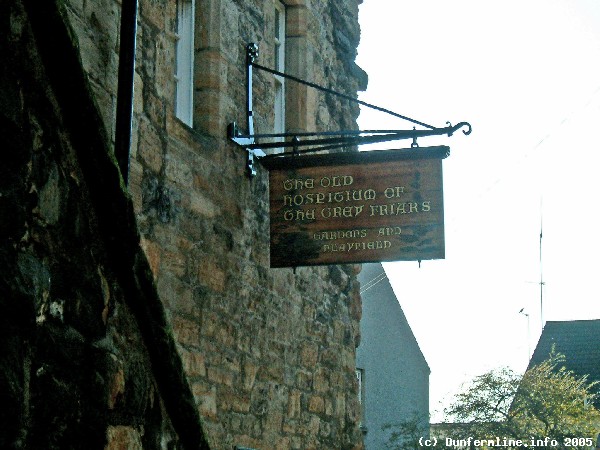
149,318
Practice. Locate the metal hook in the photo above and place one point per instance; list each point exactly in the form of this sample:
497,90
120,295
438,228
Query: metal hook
414,142
295,141
251,52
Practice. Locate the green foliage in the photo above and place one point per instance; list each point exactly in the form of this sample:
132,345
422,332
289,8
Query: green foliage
553,402
548,401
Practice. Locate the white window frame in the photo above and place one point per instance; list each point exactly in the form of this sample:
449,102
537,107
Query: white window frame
359,378
184,62
279,65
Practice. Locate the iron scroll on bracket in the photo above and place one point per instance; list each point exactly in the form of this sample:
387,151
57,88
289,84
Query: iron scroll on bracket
319,141
248,140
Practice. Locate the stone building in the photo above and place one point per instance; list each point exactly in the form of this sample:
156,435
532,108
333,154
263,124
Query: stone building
147,316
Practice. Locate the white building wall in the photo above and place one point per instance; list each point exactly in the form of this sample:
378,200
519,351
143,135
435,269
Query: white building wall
395,372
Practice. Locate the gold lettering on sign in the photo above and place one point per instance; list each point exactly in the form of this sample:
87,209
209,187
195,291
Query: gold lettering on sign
356,246
395,209
299,194
299,214
337,181
320,198
339,211
298,184
390,231
339,234
366,208
393,192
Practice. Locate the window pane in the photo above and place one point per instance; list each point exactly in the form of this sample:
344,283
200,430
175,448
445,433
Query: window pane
184,54
279,60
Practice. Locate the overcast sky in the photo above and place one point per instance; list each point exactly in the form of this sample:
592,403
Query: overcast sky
526,75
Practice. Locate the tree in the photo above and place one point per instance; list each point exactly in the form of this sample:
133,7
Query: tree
548,402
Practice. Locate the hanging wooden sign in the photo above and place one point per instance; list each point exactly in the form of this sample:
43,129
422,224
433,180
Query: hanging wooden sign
357,207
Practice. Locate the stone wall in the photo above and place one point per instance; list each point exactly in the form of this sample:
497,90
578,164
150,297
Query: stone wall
269,354
86,356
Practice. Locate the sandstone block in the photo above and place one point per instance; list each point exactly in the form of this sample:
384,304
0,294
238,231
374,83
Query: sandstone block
123,437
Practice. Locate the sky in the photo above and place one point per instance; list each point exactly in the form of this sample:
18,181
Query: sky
526,75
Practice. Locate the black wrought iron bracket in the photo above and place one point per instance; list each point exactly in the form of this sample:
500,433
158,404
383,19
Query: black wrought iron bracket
319,141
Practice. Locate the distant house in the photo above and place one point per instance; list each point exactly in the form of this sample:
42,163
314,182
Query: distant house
578,340
392,371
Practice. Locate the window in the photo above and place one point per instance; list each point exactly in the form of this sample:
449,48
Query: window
360,377
184,66
279,65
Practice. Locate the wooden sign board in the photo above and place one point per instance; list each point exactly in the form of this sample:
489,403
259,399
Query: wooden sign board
357,207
